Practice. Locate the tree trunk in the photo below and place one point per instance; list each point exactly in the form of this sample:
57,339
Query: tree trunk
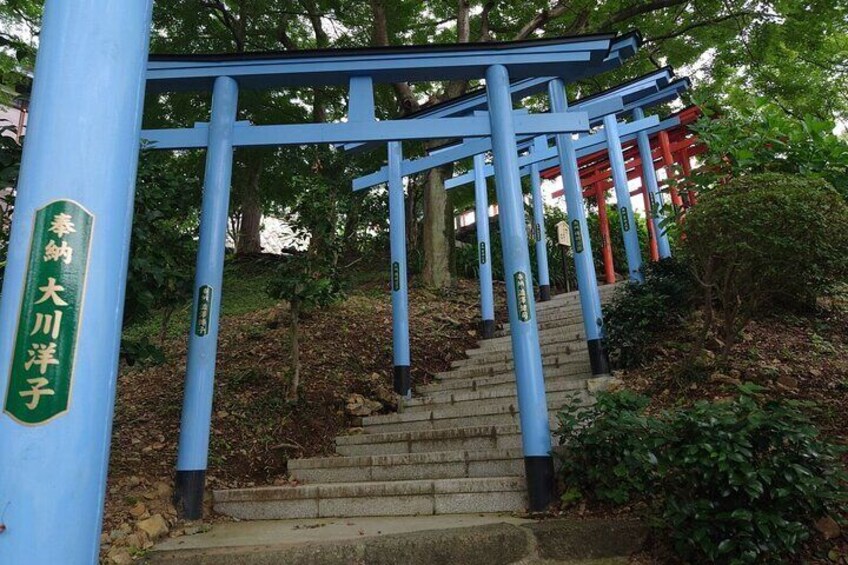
438,231
412,239
292,395
249,237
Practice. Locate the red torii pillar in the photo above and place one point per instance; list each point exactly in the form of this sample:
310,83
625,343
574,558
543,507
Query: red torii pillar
683,158
668,161
652,235
603,223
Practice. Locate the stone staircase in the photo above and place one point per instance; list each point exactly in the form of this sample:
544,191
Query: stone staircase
454,449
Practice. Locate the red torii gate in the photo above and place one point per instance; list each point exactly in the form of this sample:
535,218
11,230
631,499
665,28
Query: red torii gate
669,147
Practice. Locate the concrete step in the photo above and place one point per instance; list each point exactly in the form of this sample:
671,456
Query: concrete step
543,325
573,298
469,539
566,347
500,382
486,394
548,325
479,438
557,334
576,362
384,498
464,415
410,466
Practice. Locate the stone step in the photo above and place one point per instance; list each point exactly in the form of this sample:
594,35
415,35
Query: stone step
464,415
463,539
479,438
484,395
566,346
576,362
498,382
605,291
543,325
409,466
556,334
384,498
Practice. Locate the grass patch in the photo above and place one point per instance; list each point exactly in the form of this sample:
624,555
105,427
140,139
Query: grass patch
245,282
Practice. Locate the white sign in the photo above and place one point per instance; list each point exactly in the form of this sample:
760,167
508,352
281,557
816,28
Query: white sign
563,236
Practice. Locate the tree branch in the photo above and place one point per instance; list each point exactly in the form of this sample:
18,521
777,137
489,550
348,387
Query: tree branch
223,15
542,18
638,10
690,27
485,30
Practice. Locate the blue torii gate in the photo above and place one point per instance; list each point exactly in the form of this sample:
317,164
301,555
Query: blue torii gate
77,180
611,138
648,89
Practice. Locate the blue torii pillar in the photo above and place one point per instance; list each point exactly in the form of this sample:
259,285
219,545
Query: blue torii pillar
400,292
654,196
76,190
193,452
524,331
622,196
539,236
581,245
484,248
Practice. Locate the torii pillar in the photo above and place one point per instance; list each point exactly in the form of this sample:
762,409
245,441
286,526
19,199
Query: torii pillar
76,195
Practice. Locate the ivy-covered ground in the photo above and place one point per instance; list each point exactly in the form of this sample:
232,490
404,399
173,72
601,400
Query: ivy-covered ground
346,349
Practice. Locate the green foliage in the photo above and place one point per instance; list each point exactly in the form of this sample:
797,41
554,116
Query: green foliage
19,22
640,314
10,163
609,449
737,481
765,239
162,255
791,53
757,136
745,480
306,282
163,249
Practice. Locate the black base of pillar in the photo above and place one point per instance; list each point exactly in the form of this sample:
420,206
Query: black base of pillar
540,482
544,293
402,380
487,329
598,357
188,494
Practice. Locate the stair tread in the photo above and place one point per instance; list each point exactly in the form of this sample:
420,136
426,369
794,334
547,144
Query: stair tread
423,435
404,458
372,489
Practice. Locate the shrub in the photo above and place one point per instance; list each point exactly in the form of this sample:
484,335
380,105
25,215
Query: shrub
608,449
640,313
745,480
766,239
735,481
